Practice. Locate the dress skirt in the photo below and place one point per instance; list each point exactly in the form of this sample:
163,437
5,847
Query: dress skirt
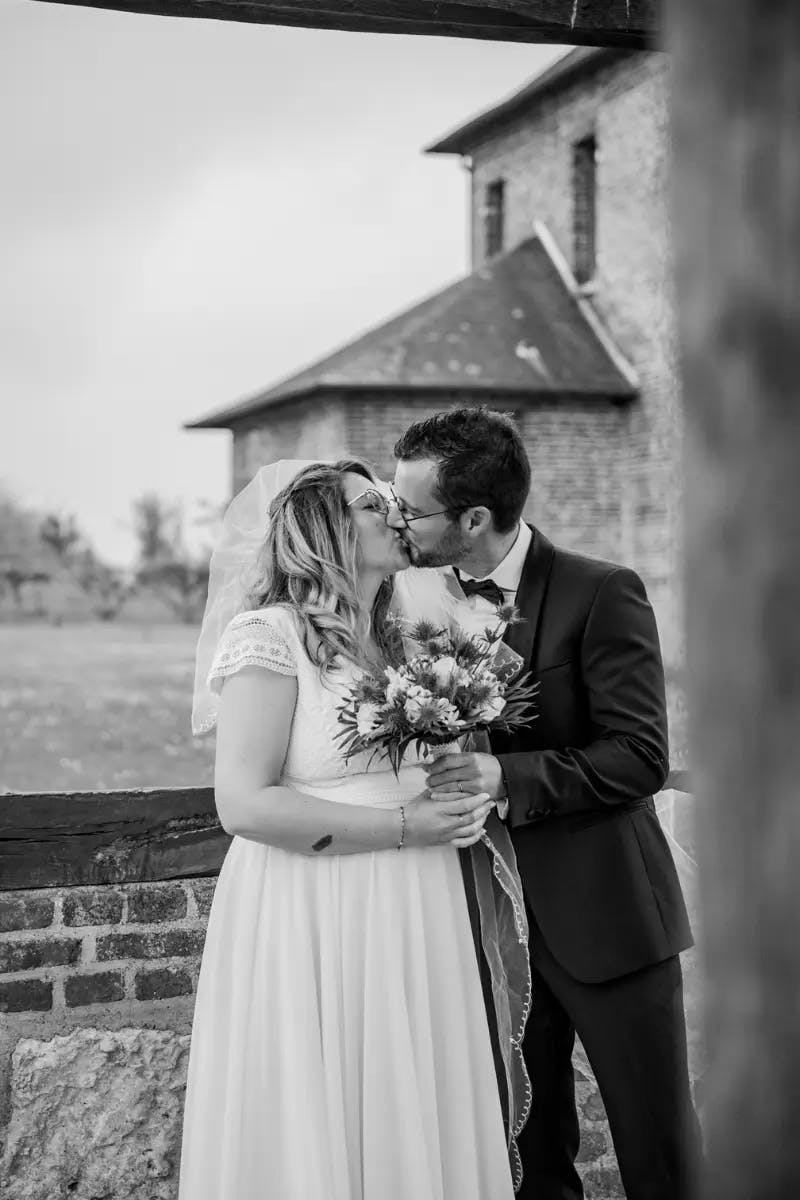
340,1047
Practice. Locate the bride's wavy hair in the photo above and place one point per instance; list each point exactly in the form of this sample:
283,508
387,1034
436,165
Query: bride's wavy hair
309,563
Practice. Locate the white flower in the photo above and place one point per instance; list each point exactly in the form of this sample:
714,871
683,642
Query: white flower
398,684
491,708
448,714
419,698
368,718
443,669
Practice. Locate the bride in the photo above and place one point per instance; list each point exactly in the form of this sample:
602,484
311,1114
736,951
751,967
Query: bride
340,1046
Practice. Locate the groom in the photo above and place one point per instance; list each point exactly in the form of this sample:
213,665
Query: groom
606,914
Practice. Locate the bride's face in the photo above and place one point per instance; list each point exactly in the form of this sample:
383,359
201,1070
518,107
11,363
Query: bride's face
381,549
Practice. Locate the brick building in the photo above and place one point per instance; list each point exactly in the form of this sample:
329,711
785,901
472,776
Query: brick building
566,320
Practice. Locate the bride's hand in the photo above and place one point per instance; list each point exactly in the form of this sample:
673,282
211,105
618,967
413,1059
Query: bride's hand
456,822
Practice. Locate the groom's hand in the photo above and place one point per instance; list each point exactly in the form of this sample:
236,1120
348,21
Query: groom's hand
475,772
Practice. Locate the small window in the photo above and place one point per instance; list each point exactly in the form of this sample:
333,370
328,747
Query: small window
493,217
584,217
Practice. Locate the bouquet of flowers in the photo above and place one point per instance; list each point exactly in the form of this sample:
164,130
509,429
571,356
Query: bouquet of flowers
454,684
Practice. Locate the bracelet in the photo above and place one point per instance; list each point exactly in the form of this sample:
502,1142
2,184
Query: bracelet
402,828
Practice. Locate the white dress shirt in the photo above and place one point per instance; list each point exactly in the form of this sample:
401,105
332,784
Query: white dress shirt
474,613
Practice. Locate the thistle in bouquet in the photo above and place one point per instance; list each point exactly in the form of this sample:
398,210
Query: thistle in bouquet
452,684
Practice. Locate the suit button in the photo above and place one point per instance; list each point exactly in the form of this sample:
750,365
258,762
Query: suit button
532,814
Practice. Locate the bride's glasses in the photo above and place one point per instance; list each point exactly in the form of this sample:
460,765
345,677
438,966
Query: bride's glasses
372,500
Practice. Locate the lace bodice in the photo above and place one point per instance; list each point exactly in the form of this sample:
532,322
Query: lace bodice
270,638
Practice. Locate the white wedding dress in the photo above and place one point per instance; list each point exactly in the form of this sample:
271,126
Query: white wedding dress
340,1047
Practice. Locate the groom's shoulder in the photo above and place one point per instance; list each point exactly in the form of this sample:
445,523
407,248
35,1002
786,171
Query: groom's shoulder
572,567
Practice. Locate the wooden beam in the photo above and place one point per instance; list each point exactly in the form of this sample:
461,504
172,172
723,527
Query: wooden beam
630,24
66,839
737,165
62,839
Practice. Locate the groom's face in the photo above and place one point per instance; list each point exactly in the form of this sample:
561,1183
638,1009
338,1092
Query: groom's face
433,538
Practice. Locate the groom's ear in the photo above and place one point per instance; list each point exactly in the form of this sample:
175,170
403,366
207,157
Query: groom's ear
479,519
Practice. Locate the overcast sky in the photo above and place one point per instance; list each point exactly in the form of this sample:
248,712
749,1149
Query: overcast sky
190,210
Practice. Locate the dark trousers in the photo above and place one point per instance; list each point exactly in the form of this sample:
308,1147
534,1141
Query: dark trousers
634,1034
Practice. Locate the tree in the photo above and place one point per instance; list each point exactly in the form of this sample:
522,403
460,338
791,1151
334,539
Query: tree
166,566
61,533
23,556
181,583
106,587
157,527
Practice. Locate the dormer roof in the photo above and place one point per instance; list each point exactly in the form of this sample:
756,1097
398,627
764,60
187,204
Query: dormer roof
576,64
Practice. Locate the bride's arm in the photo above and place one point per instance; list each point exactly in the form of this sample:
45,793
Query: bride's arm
253,726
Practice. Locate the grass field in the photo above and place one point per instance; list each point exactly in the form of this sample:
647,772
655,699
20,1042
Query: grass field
98,706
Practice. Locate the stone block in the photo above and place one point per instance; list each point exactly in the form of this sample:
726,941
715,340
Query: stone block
204,893
95,1114
603,1183
92,906
593,1108
149,904
162,982
100,987
166,943
29,954
593,1146
25,995
20,910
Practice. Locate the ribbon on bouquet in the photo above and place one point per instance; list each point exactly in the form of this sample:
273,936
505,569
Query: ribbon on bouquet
497,908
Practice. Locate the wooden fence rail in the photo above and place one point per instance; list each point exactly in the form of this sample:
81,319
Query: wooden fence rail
67,839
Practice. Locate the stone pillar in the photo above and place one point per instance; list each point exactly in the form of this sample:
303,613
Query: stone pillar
737,169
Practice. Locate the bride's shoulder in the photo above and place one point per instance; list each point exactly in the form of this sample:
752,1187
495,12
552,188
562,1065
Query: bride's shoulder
264,637
273,616
274,622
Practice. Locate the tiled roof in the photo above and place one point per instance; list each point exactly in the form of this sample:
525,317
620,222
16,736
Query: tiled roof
564,71
512,326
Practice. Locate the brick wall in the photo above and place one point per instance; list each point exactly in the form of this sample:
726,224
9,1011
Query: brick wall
311,428
625,106
108,957
575,447
577,451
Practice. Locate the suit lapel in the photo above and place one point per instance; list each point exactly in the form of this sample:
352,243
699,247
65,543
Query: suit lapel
530,597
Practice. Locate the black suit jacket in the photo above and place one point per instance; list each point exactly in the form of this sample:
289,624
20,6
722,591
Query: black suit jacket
594,862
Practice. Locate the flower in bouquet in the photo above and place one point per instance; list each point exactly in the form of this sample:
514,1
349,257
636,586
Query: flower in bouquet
453,683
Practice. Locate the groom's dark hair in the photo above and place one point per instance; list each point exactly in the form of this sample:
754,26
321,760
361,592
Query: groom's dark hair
482,460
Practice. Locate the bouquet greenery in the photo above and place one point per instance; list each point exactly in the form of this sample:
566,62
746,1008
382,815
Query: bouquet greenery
454,684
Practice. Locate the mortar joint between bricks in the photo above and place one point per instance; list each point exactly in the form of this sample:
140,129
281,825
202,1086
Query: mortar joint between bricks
123,917
192,911
89,947
59,1000
129,977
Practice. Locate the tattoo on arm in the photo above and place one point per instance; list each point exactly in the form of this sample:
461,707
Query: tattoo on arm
323,843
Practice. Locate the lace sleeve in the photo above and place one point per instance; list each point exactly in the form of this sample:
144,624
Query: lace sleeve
252,639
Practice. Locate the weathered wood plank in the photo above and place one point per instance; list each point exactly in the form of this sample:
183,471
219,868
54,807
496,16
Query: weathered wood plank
69,838
736,139
631,24
66,839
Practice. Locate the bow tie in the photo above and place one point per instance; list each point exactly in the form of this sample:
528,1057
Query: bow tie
482,587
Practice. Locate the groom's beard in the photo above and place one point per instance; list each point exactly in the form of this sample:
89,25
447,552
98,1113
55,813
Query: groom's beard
452,548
